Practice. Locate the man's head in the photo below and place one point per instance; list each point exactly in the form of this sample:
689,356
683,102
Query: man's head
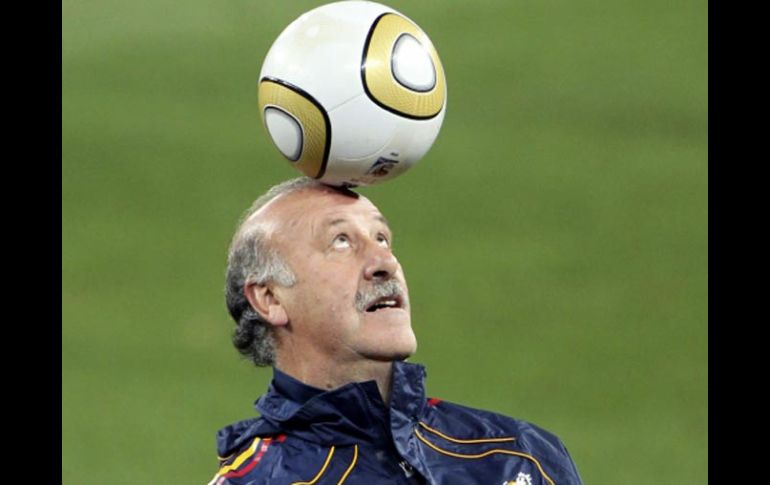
311,277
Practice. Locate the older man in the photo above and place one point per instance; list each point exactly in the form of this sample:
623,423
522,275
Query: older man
317,293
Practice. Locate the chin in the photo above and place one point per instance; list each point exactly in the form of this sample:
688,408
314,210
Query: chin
406,348
391,357
402,357
392,347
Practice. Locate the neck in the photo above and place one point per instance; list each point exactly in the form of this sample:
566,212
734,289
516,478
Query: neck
334,375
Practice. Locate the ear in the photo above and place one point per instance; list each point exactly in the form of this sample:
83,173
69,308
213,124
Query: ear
263,301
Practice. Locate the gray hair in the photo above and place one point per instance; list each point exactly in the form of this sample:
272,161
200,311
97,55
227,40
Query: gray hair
252,260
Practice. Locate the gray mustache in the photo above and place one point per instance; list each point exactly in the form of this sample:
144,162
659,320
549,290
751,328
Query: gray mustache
389,288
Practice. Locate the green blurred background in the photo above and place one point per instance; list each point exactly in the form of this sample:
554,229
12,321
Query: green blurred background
554,238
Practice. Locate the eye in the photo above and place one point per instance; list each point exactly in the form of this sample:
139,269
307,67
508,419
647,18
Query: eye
341,241
383,241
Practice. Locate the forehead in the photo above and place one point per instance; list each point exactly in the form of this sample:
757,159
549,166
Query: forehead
314,209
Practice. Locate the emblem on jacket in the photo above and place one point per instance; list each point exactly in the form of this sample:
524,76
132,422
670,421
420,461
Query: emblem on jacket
521,479
408,470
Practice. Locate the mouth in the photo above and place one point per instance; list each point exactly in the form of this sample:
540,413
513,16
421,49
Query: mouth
385,302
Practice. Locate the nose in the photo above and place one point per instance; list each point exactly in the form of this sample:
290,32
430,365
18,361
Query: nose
381,264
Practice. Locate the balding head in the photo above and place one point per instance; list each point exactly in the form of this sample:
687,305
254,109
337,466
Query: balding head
252,259
262,212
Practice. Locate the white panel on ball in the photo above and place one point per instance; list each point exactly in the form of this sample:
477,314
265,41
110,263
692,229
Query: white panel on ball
349,141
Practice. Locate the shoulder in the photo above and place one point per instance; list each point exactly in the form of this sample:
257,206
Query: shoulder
254,451
283,459
468,420
245,449
251,461
462,424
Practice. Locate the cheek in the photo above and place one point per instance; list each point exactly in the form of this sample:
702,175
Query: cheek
332,294
339,283
325,286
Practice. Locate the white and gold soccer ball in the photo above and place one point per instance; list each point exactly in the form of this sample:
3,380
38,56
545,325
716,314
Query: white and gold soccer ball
352,93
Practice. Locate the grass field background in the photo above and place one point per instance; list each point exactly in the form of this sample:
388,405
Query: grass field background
554,238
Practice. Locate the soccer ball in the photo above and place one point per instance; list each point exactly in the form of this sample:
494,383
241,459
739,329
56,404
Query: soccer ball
352,93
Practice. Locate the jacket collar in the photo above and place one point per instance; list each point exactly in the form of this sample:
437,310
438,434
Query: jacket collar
352,413
293,389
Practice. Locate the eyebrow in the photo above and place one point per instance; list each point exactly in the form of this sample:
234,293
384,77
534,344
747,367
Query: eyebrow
341,220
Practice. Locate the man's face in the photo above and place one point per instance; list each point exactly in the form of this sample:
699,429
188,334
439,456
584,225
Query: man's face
350,301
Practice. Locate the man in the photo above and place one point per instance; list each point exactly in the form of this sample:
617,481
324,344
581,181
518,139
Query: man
318,294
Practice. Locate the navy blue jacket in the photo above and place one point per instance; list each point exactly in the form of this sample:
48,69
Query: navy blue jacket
348,435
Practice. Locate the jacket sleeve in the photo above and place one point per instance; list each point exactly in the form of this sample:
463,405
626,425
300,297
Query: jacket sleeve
572,477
